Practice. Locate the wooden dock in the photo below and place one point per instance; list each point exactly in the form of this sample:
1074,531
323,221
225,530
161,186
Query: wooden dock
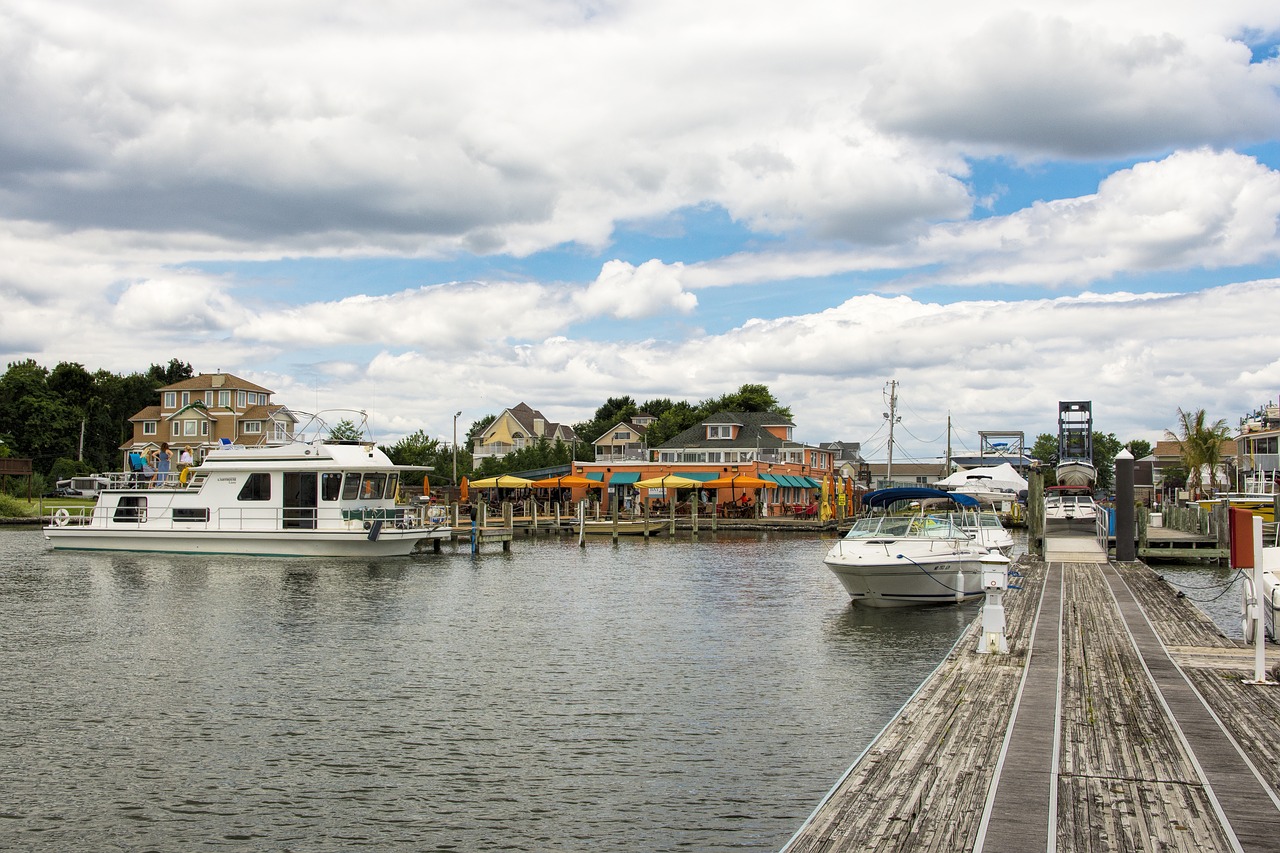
1119,720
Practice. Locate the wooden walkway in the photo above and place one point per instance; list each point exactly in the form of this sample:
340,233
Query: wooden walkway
1120,720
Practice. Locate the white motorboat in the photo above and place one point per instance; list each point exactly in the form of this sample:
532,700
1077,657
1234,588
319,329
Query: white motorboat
985,527
1064,510
316,499
1076,473
904,560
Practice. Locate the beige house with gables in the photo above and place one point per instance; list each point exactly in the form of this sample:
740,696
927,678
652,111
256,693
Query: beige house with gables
517,428
202,411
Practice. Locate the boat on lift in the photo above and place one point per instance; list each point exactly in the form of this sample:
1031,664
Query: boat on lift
1075,445
322,498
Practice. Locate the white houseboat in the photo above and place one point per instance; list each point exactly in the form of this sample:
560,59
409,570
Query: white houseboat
315,499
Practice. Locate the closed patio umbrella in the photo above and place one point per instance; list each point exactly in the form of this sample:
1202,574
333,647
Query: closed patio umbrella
463,490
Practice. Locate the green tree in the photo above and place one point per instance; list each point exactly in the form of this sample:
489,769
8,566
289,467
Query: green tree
614,410
174,371
1045,449
346,431
1140,448
1200,446
1105,448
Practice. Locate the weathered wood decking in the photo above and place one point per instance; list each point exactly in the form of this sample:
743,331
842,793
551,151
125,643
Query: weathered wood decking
1119,721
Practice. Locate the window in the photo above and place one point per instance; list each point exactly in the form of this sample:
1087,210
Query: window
131,510
719,432
351,487
372,487
148,427
204,427
189,427
175,427
254,427
224,399
622,435
330,486
240,399
256,488
170,399
186,398
191,513
208,398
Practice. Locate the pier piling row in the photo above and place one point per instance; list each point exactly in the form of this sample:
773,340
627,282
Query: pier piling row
1119,720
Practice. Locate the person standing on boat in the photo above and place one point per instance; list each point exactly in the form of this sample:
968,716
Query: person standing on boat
163,459
185,460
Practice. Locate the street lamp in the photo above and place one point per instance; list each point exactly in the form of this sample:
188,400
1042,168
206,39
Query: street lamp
455,447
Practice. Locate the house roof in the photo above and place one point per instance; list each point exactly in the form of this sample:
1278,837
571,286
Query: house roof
204,382
751,434
525,416
606,437
1170,449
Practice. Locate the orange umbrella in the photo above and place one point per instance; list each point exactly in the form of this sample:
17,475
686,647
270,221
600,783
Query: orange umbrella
463,489
426,484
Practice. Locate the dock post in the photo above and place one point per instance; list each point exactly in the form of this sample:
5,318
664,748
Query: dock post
1035,513
1125,539
671,504
613,514
1254,609
995,580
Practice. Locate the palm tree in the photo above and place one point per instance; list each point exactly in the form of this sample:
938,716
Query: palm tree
1200,446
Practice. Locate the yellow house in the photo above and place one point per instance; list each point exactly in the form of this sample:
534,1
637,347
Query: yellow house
517,428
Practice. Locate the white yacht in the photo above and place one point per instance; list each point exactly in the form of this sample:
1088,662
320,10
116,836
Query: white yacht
315,499
904,560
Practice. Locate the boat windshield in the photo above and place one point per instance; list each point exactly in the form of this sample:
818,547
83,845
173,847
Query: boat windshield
927,527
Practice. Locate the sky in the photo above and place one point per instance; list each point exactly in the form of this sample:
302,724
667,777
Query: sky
421,208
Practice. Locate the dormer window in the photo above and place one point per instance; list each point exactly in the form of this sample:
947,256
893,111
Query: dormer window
724,431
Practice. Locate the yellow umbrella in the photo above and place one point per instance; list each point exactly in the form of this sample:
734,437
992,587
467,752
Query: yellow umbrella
502,481
669,481
737,481
824,512
567,481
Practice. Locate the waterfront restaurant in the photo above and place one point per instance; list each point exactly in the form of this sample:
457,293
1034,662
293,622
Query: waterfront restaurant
727,444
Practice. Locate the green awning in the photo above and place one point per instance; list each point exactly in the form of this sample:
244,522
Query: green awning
624,477
699,475
770,477
594,475
814,484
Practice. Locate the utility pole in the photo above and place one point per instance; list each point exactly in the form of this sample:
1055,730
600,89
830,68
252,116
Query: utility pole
892,416
947,470
455,447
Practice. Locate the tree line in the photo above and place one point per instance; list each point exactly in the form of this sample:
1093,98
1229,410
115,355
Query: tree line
69,421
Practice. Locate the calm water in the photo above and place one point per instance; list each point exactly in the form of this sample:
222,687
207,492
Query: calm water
650,696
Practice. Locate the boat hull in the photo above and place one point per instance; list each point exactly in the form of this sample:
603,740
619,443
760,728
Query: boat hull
1076,474
894,579
310,543
625,528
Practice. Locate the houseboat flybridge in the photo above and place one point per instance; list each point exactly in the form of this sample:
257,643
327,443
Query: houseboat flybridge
322,498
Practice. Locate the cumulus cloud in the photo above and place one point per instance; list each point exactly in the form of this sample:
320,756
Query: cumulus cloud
1043,84
629,292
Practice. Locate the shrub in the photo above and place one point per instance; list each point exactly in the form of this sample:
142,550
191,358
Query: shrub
13,508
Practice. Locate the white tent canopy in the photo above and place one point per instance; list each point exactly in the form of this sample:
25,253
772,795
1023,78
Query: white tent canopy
998,477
